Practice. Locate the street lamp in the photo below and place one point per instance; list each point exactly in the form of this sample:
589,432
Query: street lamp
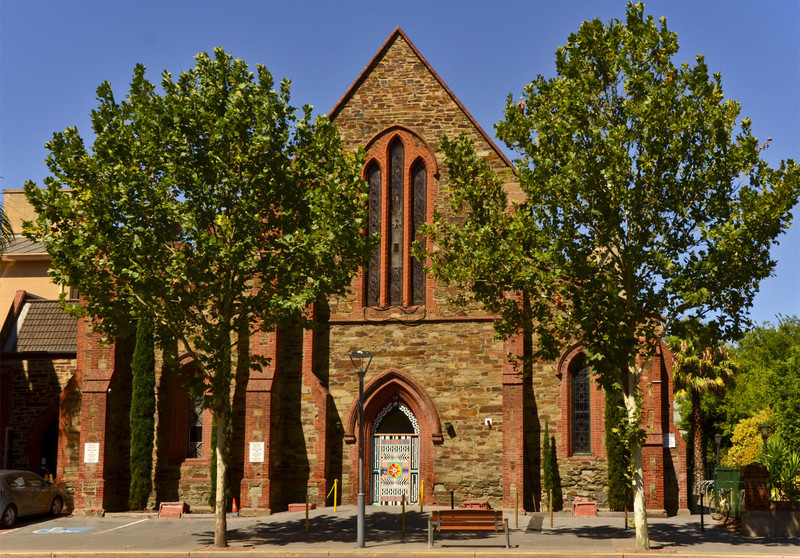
717,440
764,428
358,358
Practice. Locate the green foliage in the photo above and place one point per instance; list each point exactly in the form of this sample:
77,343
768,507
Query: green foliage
701,365
142,417
746,442
770,375
783,466
6,234
209,208
620,486
645,201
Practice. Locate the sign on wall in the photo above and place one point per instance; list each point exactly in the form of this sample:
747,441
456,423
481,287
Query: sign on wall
91,452
256,452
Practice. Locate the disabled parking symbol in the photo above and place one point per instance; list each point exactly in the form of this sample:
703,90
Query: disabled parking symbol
60,530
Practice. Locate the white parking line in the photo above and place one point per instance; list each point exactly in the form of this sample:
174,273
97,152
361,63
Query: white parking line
120,527
10,531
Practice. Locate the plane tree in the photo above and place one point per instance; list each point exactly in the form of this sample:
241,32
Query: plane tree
645,202
208,206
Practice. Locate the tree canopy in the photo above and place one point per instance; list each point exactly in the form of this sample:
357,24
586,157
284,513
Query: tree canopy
770,377
210,208
646,202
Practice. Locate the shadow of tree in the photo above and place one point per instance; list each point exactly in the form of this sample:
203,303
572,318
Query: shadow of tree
382,528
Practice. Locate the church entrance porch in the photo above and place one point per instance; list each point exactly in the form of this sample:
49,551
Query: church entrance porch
395,456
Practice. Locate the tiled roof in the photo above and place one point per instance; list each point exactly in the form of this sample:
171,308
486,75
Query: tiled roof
20,245
42,326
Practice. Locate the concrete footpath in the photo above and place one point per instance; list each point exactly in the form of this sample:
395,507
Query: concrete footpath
334,535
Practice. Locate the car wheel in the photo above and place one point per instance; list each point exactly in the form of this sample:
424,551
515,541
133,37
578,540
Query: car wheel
9,517
56,506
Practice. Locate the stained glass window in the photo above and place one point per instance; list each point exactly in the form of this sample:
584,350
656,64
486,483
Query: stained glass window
419,177
581,411
195,448
374,269
397,158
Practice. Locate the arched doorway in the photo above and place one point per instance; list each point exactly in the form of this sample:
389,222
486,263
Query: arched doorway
395,456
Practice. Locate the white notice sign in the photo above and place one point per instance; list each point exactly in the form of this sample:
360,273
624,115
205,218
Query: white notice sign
91,452
256,452
669,441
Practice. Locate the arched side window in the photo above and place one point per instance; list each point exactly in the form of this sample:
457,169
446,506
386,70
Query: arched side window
399,174
581,409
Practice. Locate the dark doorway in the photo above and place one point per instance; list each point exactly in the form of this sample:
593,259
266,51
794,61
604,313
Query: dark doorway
49,450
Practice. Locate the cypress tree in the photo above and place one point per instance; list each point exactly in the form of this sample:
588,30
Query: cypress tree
620,490
547,464
142,417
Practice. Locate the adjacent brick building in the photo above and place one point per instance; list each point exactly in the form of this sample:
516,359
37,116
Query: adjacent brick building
445,410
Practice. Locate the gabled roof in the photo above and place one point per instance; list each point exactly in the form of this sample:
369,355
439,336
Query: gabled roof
21,246
374,62
42,326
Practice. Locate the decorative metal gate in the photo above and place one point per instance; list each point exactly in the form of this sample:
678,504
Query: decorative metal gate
395,461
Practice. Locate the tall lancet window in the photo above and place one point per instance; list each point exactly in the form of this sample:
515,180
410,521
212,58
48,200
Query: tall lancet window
419,184
396,240
374,268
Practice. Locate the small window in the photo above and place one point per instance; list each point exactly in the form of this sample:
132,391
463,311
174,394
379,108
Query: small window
195,448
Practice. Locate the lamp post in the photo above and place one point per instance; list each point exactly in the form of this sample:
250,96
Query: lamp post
717,440
764,428
358,358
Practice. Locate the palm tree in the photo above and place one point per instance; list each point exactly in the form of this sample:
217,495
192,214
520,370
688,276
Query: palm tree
6,234
701,366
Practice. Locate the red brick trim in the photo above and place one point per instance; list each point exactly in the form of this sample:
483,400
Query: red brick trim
415,149
391,385
566,365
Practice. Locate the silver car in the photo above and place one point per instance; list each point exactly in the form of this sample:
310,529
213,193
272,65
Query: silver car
25,493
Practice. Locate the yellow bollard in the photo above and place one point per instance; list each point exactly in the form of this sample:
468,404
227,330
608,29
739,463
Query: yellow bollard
307,527
550,503
335,492
403,520
421,495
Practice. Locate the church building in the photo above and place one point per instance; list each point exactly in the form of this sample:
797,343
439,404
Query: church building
445,411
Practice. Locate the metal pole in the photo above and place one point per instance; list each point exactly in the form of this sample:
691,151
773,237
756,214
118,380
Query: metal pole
702,526
361,503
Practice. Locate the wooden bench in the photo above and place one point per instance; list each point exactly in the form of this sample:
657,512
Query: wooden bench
466,520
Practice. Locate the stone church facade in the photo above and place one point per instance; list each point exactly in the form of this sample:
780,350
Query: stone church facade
445,411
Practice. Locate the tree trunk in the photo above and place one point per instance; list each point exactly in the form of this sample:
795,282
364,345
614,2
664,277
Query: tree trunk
697,426
639,506
221,508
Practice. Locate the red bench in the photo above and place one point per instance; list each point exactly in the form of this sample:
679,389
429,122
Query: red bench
466,520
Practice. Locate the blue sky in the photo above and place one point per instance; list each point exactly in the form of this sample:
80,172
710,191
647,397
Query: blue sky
54,54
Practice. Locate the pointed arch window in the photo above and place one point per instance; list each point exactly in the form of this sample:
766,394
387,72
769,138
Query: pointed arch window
581,410
398,206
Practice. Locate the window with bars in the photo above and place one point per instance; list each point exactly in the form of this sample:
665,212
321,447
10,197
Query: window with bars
581,410
398,191
195,448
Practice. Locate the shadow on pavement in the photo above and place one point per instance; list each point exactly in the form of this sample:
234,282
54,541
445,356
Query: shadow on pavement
676,535
381,528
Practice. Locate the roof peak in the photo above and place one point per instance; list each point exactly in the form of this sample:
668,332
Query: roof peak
390,40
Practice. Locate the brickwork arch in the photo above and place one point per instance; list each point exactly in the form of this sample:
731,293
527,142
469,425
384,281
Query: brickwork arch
568,365
374,283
